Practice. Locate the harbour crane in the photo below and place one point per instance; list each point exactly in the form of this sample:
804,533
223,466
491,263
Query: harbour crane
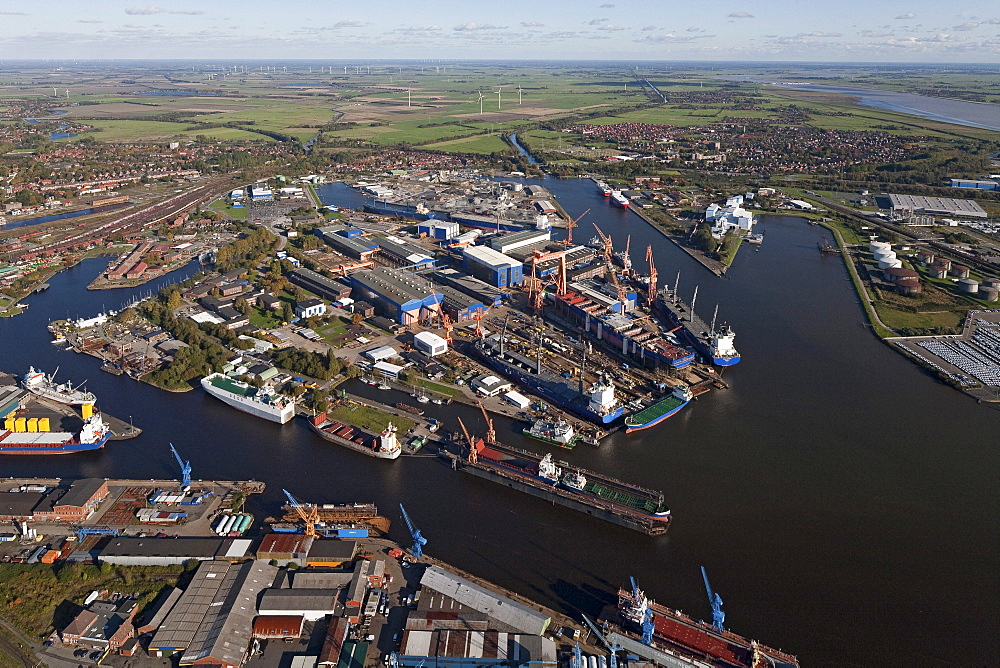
417,550
185,469
626,258
473,455
608,247
308,512
612,649
651,293
571,224
642,605
608,253
718,616
491,434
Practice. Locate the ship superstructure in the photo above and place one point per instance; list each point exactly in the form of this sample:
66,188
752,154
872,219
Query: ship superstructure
556,432
43,385
263,402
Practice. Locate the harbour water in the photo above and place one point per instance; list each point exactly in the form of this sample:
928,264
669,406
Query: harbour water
843,502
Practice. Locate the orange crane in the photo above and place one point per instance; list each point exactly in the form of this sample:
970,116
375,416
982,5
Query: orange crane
571,224
491,434
308,512
608,254
478,317
468,439
446,323
651,293
608,245
536,286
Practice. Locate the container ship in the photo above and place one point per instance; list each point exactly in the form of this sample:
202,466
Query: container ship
19,440
42,385
599,404
603,188
618,199
659,411
556,432
714,343
383,446
593,493
262,402
679,639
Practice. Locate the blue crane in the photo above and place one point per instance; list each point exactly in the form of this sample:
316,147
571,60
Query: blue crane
613,649
642,606
418,541
577,661
185,468
718,616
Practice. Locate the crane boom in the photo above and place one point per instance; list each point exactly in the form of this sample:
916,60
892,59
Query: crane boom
185,468
571,224
612,649
718,616
417,549
491,434
651,293
309,515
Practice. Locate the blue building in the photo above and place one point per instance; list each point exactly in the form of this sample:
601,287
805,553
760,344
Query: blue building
401,297
492,266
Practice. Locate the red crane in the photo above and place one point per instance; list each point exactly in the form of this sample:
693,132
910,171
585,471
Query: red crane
491,434
651,293
468,439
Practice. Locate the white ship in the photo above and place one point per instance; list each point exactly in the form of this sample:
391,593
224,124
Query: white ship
45,386
619,199
263,402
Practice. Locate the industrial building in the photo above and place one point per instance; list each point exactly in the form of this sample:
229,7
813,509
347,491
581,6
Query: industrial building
469,285
348,241
460,648
514,240
936,206
430,344
437,229
310,307
489,385
327,288
495,268
285,548
75,504
402,253
459,306
212,621
311,604
102,625
129,551
261,192
399,296
985,184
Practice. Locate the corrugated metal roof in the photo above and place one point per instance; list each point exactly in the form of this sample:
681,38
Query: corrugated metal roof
505,610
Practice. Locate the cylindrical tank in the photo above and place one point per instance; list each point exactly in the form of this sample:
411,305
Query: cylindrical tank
219,523
943,262
991,283
938,272
879,254
909,287
226,524
925,257
890,264
988,294
244,523
968,285
592,661
876,246
602,662
959,271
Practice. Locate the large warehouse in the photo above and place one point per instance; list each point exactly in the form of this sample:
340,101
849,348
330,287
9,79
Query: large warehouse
937,206
399,296
492,266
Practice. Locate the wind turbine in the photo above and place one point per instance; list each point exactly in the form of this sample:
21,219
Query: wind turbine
519,94
498,97
481,96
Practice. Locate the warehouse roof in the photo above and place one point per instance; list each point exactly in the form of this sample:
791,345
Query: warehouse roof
333,549
177,547
19,504
309,579
504,610
81,492
946,205
394,284
490,257
273,600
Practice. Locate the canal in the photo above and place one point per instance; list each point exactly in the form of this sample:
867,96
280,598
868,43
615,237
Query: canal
843,502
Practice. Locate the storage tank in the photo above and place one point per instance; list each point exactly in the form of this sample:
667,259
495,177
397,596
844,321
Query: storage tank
938,272
592,660
227,523
890,264
909,287
959,271
925,257
943,262
968,285
991,283
244,523
879,255
876,246
219,523
988,294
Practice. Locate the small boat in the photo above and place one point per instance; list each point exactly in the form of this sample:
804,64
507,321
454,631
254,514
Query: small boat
436,401
383,386
422,399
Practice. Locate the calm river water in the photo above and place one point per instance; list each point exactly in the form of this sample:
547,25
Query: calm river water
844,504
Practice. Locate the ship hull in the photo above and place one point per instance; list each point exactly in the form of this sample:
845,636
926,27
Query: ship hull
280,416
696,341
650,525
725,361
351,445
551,441
7,448
528,380
629,428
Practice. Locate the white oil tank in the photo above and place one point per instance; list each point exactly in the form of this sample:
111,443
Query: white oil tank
890,263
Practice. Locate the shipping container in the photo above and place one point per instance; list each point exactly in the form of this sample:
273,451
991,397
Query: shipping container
20,425
33,424
43,424
352,533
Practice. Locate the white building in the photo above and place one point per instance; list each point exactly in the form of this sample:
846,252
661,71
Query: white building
381,354
309,308
489,385
430,344
728,217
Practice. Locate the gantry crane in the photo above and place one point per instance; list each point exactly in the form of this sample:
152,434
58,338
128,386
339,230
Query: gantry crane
308,512
417,550
185,469
536,286
446,323
718,616
491,434
612,649
651,291
608,252
571,224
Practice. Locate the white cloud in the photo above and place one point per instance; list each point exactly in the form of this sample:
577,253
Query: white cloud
695,29
433,28
740,15
648,28
89,21
532,24
607,5
12,14
907,16
992,22
154,9
610,27
968,25
346,23
466,27
596,22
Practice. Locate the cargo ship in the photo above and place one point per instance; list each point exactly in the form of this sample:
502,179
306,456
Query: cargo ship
262,402
383,446
592,493
603,188
599,404
92,436
659,411
714,343
556,432
682,640
618,199
42,385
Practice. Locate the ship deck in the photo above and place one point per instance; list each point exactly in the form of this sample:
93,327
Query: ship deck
229,385
654,411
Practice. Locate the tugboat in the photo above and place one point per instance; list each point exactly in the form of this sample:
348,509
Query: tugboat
558,432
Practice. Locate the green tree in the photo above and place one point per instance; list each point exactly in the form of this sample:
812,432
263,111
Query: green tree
286,312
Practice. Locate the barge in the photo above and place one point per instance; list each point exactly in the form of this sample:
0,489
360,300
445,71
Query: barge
592,493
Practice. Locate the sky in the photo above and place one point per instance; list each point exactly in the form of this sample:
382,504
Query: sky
748,30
